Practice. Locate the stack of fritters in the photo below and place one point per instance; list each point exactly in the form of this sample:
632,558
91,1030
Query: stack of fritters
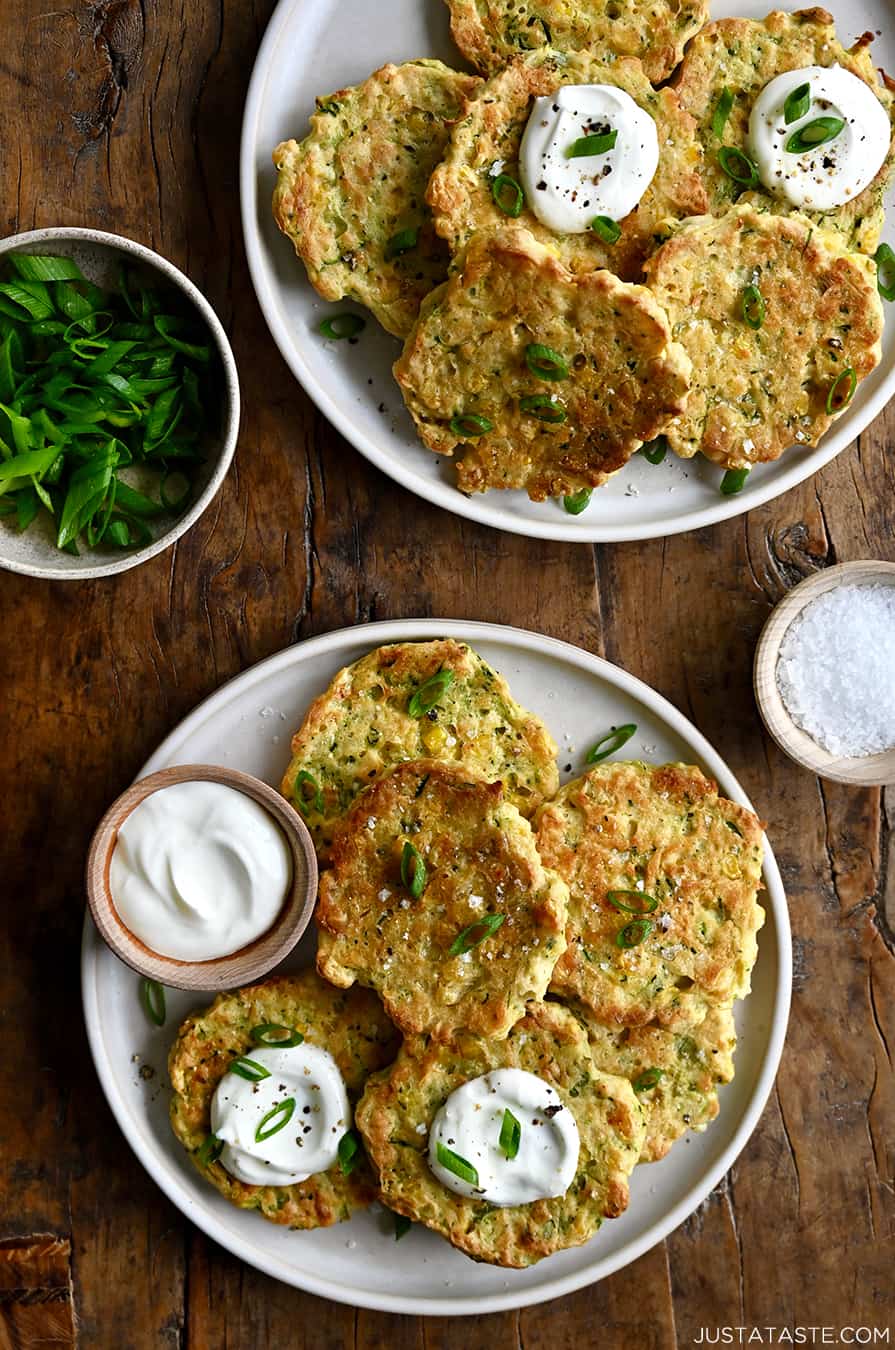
395,187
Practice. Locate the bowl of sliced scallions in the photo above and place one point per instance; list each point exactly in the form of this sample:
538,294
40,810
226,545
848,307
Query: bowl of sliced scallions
119,404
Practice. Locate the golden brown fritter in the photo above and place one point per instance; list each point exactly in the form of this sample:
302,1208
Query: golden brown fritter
757,391
663,876
490,32
368,720
350,196
486,141
468,357
351,1025
482,888
399,1106
676,1074
743,55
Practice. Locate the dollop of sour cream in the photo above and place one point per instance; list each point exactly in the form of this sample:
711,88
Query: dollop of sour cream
308,1142
198,871
566,194
469,1124
827,175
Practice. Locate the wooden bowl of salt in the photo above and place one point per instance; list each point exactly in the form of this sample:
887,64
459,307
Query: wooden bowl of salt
824,673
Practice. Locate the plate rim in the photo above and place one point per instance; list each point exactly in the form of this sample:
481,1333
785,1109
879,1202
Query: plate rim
445,495
404,630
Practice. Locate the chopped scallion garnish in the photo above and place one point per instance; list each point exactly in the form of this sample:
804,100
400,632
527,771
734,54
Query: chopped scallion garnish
249,1069
402,242
733,482
842,390
753,307
452,1162
273,1033
308,794
606,229
612,741
812,134
510,1136
349,1153
413,870
578,501
545,363
721,113
633,933
797,103
738,166
544,407
340,326
508,195
655,451
152,996
648,1079
209,1150
469,425
277,1118
430,692
884,258
475,933
585,146
622,901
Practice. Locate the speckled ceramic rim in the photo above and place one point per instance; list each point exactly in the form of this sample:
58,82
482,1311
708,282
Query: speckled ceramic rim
34,240
407,630
249,963
862,771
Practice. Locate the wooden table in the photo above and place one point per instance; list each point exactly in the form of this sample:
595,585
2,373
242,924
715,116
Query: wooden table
125,115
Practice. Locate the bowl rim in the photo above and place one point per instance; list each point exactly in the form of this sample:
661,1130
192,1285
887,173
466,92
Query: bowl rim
875,770
250,962
230,398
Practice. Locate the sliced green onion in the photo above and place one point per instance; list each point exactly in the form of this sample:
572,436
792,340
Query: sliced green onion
469,425
403,1226
340,326
277,1118
606,229
510,1136
274,1033
475,933
349,1153
413,871
733,482
452,1162
544,407
813,134
797,103
249,1069
152,996
307,793
508,195
633,933
721,113
592,145
621,900
578,501
884,258
648,1079
655,451
209,1150
402,242
430,693
753,307
612,741
842,390
545,363
34,267
738,166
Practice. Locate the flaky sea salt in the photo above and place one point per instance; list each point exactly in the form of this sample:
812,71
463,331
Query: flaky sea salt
836,670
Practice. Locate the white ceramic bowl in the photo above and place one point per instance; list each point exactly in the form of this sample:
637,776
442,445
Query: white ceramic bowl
99,256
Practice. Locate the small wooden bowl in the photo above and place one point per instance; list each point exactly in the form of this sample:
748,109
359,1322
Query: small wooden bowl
224,972
863,770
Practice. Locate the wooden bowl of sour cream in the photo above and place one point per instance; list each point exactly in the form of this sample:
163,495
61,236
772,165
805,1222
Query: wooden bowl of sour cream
198,871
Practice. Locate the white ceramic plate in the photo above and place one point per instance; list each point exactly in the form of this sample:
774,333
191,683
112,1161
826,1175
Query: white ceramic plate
315,46
248,725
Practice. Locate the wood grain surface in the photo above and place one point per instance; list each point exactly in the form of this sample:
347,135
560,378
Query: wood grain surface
125,115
